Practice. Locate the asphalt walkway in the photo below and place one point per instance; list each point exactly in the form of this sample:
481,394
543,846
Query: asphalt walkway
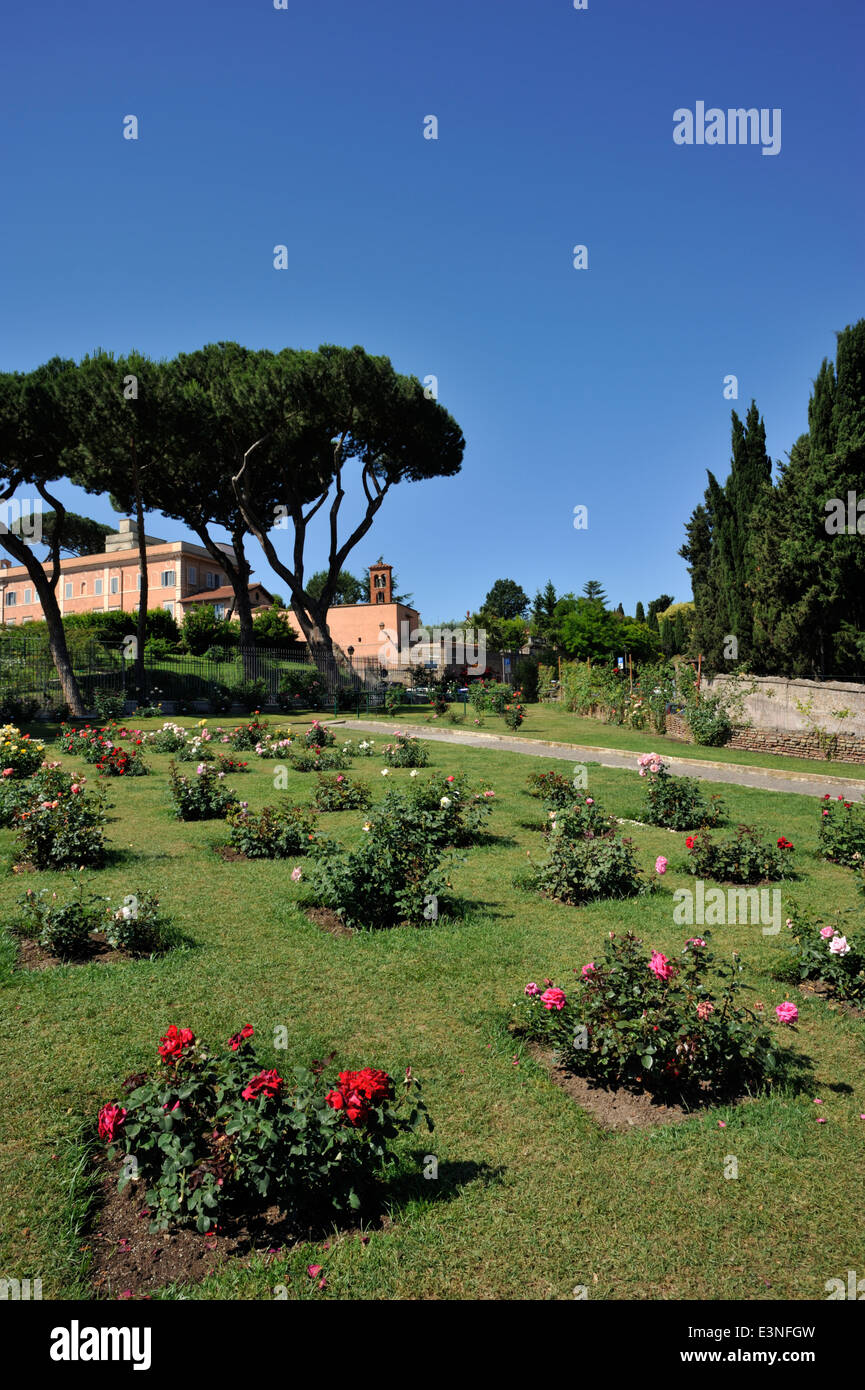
765,779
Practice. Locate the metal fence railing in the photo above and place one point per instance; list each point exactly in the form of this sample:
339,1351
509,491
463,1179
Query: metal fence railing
215,679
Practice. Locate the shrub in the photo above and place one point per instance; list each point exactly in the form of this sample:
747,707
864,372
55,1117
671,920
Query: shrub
340,794
274,746
318,760
318,736
202,797
217,1133
489,697
742,858
359,748
138,926
245,737
394,697
61,928
109,704
18,709
708,721
300,689
227,762
171,738
116,762
272,833
527,677
158,649
20,755
578,870
252,694
822,951
582,818
649,1022
385,882
148,711
554,789
678,803
405,751
514,713
14,796
842,832
63,831
443,811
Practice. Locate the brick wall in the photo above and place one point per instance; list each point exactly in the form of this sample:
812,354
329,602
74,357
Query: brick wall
850,748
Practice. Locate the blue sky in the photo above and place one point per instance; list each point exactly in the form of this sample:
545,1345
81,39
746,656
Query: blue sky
599,387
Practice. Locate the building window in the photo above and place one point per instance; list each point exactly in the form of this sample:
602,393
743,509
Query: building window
115,584
168,605
379,598
166,579
10,622
192,575
138,585
214,581
67,590
97,587
28,595
219,610
11,600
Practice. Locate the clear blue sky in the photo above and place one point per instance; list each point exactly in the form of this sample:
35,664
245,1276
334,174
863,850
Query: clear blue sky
454,257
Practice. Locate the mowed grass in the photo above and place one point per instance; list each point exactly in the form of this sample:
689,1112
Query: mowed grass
532,1198
549,722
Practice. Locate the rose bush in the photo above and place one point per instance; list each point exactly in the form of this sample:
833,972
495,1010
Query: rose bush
20,755
213,1135
742,858
678,803
272,833
675,1028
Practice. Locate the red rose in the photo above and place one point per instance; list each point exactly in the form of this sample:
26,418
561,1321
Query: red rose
267,1083
689,843
175,1040
236,1041
111,1117
359,1091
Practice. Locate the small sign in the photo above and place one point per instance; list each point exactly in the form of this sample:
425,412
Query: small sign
506,663
621,661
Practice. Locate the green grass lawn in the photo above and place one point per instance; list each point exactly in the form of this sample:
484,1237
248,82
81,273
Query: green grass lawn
532,1198
547,721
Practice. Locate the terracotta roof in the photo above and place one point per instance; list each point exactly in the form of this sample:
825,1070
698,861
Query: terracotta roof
208,595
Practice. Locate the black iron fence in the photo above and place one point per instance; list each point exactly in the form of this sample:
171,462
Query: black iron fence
216,680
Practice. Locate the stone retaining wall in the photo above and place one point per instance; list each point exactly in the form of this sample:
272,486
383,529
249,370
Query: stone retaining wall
844,748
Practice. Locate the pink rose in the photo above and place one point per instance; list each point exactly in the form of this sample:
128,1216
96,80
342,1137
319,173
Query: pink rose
297,875
839,946
787,1012
588,969
661,966
827,931
660,865
590,801
532,989
705,1009
554,998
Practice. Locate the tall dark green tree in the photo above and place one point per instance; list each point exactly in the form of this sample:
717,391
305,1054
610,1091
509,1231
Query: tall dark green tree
506,599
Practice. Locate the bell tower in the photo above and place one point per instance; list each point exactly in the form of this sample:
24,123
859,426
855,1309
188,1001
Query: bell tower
381,582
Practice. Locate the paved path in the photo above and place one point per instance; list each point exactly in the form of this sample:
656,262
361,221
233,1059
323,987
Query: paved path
765,779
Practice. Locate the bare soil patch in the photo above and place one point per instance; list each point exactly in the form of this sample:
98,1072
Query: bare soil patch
327,920
616,1108
32,956
131,1261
